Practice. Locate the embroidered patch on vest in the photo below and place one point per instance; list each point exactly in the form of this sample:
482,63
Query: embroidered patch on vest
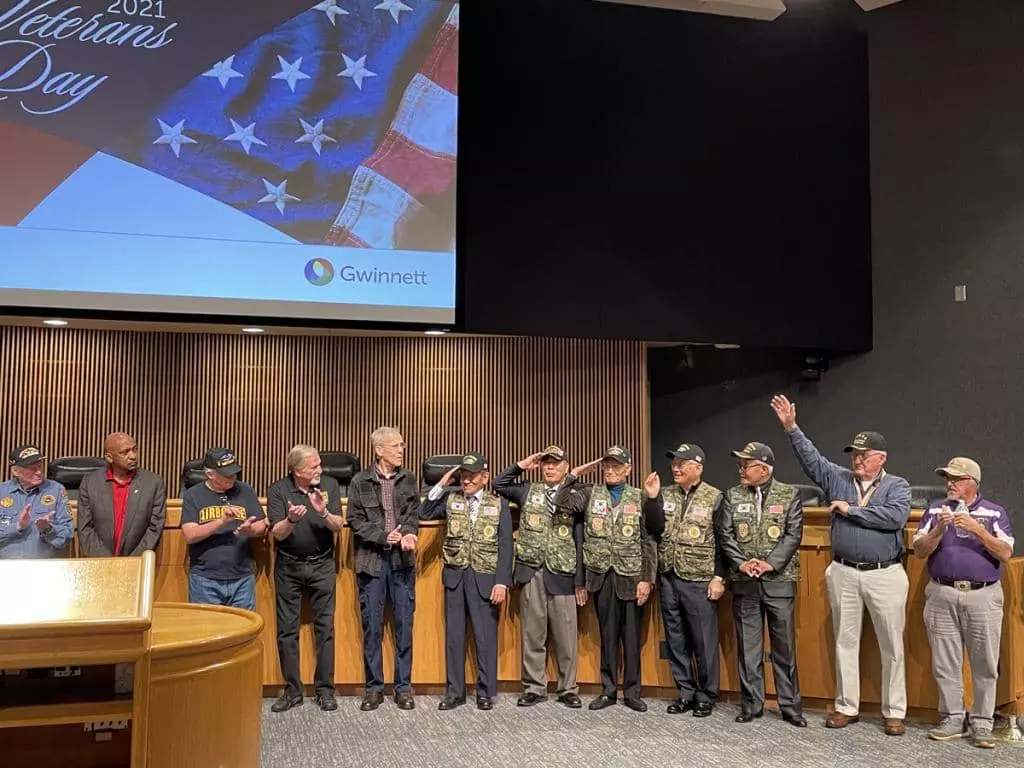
627,530
597,523
743,530
774,532
563,531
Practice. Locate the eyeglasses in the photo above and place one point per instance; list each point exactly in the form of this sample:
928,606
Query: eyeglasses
866,455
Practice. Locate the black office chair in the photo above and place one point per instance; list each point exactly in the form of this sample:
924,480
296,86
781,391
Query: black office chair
69,471
434,468
811,495
921,496
193,473
342,466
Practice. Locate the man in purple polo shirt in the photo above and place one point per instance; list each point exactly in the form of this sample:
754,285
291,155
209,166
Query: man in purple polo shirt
966,539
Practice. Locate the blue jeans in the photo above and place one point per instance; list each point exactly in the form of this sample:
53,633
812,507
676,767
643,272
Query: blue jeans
373,591
238,593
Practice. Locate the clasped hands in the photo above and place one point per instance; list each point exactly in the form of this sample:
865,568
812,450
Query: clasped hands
406,541
755,568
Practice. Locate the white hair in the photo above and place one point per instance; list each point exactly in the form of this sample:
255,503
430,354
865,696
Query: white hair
380,434
297,456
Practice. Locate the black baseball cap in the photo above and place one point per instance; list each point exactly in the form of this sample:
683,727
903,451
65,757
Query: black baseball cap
473,462
222,461
687,451
757,452
866,441
618,453
25,455
553,452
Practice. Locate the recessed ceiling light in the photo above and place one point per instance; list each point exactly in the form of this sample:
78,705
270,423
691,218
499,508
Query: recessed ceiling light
436,332
55,322
252,330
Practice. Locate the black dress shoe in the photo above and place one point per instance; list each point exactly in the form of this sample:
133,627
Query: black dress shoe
485,703
404,700
286,702
529,699
447,703
371,701
678,707
601,702
637,705
571,700
326,701
746,717
795,719
703,709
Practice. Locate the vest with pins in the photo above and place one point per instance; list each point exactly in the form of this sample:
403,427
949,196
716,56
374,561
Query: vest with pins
612,534
545,539
688,544
757,541
469,544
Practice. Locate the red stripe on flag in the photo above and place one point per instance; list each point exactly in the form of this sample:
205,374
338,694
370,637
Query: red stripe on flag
418,171
442,65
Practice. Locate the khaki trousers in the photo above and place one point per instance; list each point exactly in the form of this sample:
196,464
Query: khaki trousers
540,613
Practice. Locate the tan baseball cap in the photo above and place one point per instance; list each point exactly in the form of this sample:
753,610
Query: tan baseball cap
961,466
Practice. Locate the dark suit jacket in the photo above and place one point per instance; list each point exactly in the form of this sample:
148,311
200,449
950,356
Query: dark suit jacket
452,577
783,551
366,516
509,486
144,522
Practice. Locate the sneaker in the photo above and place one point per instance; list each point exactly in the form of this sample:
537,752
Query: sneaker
948,729
982,737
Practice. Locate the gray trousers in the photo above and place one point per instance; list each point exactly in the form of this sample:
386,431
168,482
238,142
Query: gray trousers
956,619
749,610
540,613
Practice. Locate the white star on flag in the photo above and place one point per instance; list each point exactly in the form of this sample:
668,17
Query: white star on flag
290,73
223,71
314,134
276,194
356,70
331,8
174,136
245,136
395,7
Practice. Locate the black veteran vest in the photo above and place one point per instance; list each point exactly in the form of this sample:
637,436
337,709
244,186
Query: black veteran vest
545,539
757,541
688,544
469,544
612,534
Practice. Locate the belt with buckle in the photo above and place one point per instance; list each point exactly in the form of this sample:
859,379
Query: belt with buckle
962,585
865,566
290,558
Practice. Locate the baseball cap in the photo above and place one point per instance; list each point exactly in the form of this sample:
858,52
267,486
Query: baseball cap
757,452
473,462
222,461
25,455
687,451
866,441
618,453
961,466
553,452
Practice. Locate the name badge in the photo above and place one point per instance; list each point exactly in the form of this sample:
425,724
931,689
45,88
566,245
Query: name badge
744,509
458,506
670,506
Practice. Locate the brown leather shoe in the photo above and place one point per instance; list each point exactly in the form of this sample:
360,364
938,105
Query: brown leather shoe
839,720
894,727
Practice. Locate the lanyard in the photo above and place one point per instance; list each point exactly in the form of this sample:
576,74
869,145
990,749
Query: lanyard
865,497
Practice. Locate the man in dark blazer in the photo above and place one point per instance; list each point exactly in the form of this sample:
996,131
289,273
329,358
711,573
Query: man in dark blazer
762,524
121,509
384,512
477,573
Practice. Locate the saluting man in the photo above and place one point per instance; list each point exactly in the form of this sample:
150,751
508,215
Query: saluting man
762,524
477,572
549,566
621,561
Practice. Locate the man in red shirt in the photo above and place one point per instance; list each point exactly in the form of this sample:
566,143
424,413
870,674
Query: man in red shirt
121,509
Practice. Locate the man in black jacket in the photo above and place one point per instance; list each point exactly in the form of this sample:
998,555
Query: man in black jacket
384,511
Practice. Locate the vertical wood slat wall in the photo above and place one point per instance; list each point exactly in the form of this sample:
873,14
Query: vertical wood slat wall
180,393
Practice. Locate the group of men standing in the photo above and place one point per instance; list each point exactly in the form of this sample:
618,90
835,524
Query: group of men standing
608,541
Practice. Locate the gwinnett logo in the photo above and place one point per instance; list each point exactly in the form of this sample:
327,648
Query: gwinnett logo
319,272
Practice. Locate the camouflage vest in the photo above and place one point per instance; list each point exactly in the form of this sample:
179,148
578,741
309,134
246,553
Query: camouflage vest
545,539
688,544
611,543
466,544
759,540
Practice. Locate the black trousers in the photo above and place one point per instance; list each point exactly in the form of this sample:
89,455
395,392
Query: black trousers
749,610
292,579
691,633
619,621
459,602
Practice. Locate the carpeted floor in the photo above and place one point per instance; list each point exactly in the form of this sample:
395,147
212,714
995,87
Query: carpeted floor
552,736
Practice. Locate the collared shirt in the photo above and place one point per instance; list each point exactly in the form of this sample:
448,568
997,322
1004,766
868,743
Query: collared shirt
310,537
48,497
387,497
872,531
120,492
965,558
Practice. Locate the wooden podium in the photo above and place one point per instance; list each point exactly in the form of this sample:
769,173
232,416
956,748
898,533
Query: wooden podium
63,619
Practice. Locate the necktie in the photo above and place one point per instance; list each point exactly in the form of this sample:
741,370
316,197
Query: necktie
473,501
549,495
757,501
